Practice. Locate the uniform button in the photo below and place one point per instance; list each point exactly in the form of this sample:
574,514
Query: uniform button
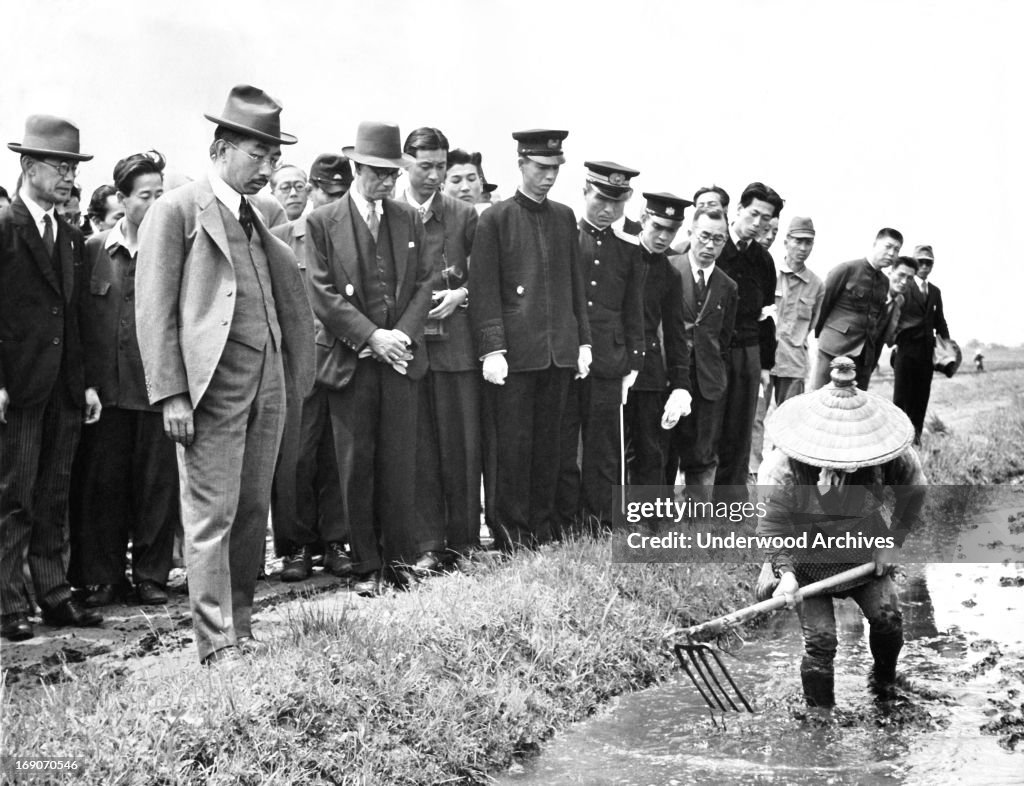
56,340
128,298
593,283
599,242
55,310
590,303
124,322
597,261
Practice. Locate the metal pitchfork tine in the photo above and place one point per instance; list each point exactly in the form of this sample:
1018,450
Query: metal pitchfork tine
693,655
696,653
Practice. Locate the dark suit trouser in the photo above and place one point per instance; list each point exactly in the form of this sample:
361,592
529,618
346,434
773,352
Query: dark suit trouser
306,501
864,364
786,388
125,484
647,441
37,446
374,419
226,475
586,480
449,457
528,419
744,373
693,445
912,386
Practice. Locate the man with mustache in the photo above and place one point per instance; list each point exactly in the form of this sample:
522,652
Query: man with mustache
225,333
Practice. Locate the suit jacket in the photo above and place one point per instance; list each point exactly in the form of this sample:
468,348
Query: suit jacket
708,332
753,270
853,311
448,231
39,314
920,319
185,285
336,285
666,357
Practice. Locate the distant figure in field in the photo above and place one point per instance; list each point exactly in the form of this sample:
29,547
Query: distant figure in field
979,362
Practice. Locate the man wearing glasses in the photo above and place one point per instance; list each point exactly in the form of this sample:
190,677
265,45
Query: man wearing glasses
289,187
225,334
43,384
370,286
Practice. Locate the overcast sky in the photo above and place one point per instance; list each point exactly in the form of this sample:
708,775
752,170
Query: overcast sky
861,114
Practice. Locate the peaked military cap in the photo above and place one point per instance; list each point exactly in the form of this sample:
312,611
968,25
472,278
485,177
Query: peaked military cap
541,145
611,179
666,205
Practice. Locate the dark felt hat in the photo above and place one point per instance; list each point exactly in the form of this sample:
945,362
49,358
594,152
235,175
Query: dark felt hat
252,112
46,135
542,145
378,144
666,205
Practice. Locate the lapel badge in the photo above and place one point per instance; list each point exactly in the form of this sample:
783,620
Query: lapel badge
349,290
520,290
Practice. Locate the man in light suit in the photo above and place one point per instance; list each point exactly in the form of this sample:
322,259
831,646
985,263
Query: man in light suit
921,318
370,285
43,383
224,331
853,312
709,314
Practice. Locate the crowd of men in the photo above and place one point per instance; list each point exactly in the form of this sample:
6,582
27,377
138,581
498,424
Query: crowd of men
375,354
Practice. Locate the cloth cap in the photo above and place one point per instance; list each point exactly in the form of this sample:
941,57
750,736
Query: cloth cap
46,135
252,112
666,205
542,145
800,226
379,144
332,172
840,426
611,179
924,252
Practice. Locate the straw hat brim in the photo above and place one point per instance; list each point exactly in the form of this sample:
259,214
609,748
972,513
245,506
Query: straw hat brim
37,151
283,139
840,428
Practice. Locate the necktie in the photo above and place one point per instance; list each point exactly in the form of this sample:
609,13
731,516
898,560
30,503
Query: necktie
702,286
245,218
372,222
48,240
742,245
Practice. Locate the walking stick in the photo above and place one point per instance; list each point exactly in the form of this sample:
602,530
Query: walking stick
622,456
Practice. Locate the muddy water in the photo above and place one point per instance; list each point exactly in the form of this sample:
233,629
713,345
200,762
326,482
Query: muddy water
964,655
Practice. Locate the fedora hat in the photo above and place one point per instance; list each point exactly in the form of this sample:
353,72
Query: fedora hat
252,112
378,144
840,426
46,135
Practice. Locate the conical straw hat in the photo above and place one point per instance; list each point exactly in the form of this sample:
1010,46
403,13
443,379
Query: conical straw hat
840,426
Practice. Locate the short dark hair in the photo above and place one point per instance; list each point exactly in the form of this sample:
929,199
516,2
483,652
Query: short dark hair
460,156
98,202
714,213
425,138
895,234
908,261
229,135
127,169
713,189
758,190
4,194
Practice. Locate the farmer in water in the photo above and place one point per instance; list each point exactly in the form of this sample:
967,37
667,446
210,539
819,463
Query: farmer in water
837,449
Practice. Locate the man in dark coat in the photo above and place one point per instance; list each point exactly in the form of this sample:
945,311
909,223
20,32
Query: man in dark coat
920,319
42,379
529,314
613,278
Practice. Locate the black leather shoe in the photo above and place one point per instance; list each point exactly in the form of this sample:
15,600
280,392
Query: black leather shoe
16,627
367,585
429,562
71,613
336,561
296,566
105,595
250,645
150,593
226,657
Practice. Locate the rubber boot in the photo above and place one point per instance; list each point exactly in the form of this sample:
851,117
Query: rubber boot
885,649
819,688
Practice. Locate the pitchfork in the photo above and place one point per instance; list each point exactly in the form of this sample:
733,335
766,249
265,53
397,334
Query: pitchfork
699,660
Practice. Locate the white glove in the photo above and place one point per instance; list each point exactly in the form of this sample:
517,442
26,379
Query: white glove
495,369
627,382
677,406
583,363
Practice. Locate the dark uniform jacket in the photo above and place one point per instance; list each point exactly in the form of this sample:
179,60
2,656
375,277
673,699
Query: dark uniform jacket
709,330
39,311
613,276
111,343
921,318
448,230
337,289
666,358
754,273
854,308
528,296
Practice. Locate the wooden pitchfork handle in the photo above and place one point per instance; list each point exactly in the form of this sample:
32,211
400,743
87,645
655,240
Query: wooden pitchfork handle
713,628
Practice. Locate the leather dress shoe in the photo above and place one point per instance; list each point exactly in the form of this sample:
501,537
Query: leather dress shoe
297,565
336,561
16,627
105,594
429,562
71,613
150,593
367,585
402,577
250,645
225,657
